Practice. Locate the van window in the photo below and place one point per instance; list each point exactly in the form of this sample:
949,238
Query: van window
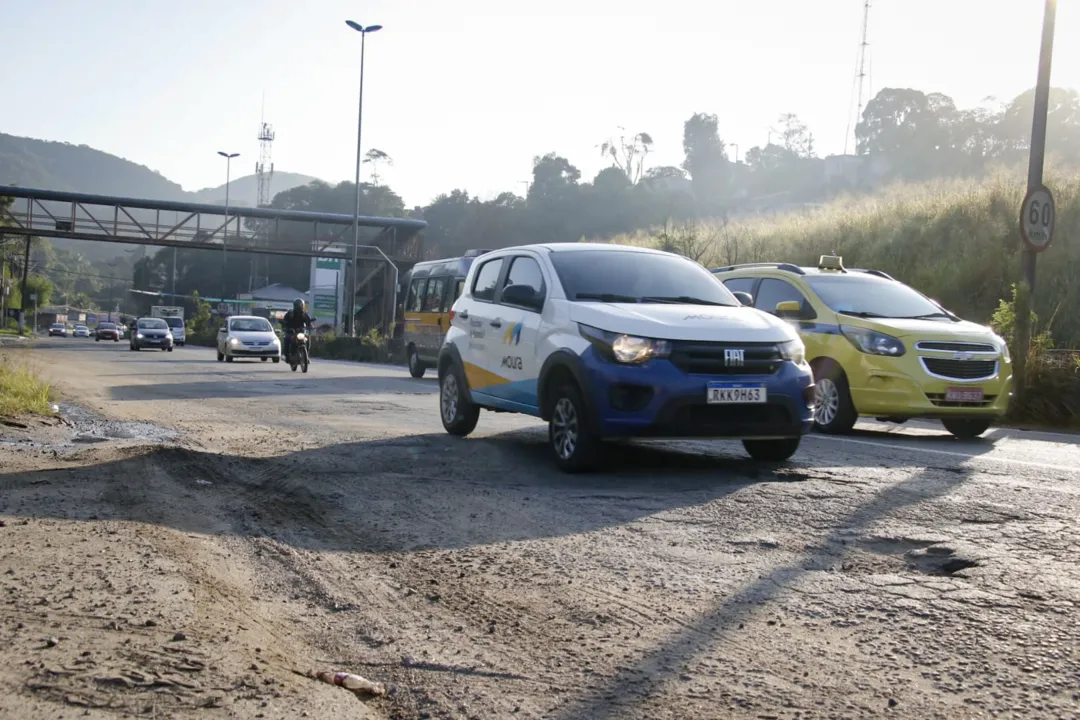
416,295
433,296
745,285
486,278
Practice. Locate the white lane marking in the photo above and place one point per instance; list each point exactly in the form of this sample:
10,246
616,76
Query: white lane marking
1029,463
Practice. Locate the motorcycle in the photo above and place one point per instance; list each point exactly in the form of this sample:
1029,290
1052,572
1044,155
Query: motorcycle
299,355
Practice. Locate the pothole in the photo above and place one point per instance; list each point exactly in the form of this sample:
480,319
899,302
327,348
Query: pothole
941,561
88,427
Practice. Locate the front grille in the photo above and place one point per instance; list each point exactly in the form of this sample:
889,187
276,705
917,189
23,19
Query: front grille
955,346
938,400
960,369
705,358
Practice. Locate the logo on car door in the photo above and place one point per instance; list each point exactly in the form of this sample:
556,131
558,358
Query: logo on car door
512,336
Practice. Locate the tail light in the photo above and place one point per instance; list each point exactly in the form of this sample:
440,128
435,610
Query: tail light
452,314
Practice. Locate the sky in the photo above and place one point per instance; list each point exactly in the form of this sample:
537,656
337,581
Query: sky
465,94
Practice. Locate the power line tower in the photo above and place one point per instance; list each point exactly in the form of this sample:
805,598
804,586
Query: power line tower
264,172
861,73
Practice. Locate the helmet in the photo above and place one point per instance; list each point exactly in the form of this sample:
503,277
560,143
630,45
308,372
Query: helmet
298,305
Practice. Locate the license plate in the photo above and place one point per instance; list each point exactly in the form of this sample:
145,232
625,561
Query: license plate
721,393
964,395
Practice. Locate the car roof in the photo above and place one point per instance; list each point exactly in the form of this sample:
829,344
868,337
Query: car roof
583,246
791,269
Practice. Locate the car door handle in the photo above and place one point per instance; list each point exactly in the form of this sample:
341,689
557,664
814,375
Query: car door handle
496,323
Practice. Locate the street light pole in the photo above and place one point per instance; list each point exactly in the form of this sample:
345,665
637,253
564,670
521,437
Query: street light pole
225,237
1026,288
359,160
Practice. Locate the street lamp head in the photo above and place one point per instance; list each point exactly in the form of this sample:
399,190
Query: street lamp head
228,155
361,29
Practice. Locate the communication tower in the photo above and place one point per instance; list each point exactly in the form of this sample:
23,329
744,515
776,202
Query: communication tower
264,173
859,84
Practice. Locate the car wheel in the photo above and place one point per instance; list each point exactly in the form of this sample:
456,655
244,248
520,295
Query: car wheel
772,450
834,411
220,356
169,349
573,443
459,414
966,428
97,339
264,359
277,360
416,368
228,358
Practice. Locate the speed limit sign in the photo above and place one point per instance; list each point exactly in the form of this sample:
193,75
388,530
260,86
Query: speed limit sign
1037,219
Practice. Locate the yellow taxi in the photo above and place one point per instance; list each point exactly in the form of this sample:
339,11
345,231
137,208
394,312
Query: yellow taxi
880,348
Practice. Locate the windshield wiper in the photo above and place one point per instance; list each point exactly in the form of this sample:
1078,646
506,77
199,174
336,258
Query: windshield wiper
928,316
606,297
862,314
683,299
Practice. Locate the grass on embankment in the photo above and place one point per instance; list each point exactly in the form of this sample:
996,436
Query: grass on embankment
22,392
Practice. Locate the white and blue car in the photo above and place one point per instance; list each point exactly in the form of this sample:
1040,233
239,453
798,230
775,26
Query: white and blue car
608,341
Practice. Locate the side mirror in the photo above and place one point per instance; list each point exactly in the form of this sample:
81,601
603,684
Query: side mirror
789,309
523,296
744,298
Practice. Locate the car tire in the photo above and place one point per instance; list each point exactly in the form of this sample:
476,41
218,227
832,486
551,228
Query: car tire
573,443
456,409
277,360
834,411
263,359
169,349
416,368
966,428
221,357
772,450
228,358
97,339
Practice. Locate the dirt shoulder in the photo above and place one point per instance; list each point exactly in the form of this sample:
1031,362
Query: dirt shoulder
198,536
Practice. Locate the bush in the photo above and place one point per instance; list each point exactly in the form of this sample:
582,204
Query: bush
1052,397
371,347
22,392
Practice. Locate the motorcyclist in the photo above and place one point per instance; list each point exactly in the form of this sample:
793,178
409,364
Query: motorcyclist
296,320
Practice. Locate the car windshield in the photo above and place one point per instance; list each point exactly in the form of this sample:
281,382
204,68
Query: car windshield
174,322
629,276
80,327
870,296
153,324
250,325
57,326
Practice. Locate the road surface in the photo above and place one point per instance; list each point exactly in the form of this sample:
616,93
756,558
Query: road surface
202,534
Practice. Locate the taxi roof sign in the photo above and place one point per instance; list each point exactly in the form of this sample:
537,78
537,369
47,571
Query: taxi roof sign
831,262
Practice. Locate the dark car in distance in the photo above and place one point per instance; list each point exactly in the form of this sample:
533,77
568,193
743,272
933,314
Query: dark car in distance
107,331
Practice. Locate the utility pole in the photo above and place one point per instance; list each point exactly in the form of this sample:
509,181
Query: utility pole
1026,287
25,284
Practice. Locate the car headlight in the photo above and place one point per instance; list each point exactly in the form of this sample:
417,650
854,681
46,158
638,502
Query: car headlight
873,342
1004,347
627,349
234,341
793,350
139,336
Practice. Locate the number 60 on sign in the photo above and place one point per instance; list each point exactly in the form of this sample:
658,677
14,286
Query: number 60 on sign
1037,219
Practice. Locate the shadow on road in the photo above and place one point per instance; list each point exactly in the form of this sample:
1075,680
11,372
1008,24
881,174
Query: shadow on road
408,493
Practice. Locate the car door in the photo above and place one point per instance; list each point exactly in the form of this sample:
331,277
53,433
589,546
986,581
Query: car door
222,335
431,319
517,329
485,329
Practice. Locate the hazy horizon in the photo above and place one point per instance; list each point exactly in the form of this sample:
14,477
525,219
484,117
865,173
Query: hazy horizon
465,97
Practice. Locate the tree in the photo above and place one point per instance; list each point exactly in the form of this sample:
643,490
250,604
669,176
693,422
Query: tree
798,140
628,154
553,178
373,157
706,160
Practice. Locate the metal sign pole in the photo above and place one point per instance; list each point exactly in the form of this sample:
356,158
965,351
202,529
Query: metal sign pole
1036,193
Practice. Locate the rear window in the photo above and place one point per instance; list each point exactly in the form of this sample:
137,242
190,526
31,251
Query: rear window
107,326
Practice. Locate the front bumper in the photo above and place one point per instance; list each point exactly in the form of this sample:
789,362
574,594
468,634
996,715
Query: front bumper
153,343
657,399
902,388
270,352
